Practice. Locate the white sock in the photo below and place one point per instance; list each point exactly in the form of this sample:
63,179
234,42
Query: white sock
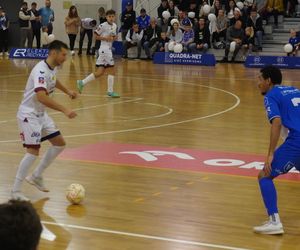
23,169
89,78
47,159
110,83
275,218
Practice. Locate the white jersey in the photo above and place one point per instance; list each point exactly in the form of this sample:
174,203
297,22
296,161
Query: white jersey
105,29
41,77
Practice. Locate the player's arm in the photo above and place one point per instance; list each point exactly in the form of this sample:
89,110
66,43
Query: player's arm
72,94
43,98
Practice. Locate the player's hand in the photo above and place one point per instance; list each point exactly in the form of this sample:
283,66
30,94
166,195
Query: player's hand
72,94
70,113
267,168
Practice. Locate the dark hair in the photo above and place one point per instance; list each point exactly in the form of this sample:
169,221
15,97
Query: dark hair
24,3
273,73
33,3
93,22
70,14
57,45
110,12
20,226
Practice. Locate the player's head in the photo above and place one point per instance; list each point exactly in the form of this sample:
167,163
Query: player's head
270,76
110,16
20,226
58,51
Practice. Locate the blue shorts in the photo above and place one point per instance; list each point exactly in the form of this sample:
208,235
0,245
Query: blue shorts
286,157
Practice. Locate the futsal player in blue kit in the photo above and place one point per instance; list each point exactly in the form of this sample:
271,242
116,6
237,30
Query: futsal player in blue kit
282,104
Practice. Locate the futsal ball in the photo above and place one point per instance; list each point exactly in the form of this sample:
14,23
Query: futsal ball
288,48
166,14
191,14
171,46
51,38
212,17
178,48
206,9
75,193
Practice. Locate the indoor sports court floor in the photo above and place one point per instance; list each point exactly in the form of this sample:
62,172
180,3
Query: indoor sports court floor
171,165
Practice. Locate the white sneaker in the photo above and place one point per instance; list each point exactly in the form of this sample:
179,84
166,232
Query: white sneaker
269,227
38,182
19,196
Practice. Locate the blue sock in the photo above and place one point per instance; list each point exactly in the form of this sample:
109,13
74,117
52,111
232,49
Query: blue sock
269,195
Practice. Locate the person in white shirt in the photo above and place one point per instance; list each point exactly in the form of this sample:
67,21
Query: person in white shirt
106,33
133,39
34,123
87,26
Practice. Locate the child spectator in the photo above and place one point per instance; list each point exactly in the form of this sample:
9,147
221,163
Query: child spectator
295,42
162,42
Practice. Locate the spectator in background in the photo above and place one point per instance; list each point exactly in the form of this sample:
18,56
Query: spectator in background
162,42
47,16
202,38
248,42
235,34
188,35
20,226
45,40
133,39
162,7
255,21
25,16
222,24
216,7
230,9
274,8
87,26
102,19
72,24
173,9
237,15
151,37
36,25
295,42
175,33
128,18
4,25
193,8
143,20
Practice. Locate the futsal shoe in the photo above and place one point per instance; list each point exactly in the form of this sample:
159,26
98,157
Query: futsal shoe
113,94
19,196
79,86
269,227
38,182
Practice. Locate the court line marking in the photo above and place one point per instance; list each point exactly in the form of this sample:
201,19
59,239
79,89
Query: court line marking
144,236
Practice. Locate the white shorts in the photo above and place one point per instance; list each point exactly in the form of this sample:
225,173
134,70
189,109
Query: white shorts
35,129
105,59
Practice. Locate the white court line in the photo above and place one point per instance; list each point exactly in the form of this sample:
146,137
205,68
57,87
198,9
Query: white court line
152,237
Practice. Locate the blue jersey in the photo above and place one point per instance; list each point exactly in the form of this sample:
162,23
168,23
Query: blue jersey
47,15
284,102
143,22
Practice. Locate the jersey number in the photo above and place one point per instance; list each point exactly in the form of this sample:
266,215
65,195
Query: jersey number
296,101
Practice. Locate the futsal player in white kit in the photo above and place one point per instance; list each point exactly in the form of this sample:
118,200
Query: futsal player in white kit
34,123
106,33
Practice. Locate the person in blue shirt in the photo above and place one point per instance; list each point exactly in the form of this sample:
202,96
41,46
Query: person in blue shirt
282,104
47,16
143,20
295,42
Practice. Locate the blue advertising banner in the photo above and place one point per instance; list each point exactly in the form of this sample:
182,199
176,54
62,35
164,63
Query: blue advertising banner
23,53
279,61
184,58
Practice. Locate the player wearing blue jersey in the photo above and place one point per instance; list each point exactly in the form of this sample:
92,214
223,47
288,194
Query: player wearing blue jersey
282,104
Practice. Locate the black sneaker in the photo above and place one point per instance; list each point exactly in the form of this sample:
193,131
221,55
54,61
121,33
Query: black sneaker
225,59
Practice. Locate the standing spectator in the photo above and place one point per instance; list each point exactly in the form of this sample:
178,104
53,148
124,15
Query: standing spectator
151,37
235,34
143,20
4,25
87,26
72,24
255,21
47,16
202,38
36,25
102,19
25,16
133,39
221,23
128,18
295,42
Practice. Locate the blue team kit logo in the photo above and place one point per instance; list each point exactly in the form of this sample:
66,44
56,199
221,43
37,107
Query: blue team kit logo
41,80
279,61
23,53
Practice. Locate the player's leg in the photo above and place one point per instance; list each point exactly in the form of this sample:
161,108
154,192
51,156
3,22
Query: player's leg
51,134
110,71
30,131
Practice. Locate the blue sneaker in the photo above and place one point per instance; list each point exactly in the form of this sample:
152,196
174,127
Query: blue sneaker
113,94
80,86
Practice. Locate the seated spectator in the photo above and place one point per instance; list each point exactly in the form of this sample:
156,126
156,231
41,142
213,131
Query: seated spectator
202,38
20,226
230,9
162,7
175,35
151,37
173,9
273,8
237,15
295,42
133,39
216,7
255,21
181,16
235,34
87,26
4,35
162,42
248,42
193,8
188,35
45,40
221,23
143,20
